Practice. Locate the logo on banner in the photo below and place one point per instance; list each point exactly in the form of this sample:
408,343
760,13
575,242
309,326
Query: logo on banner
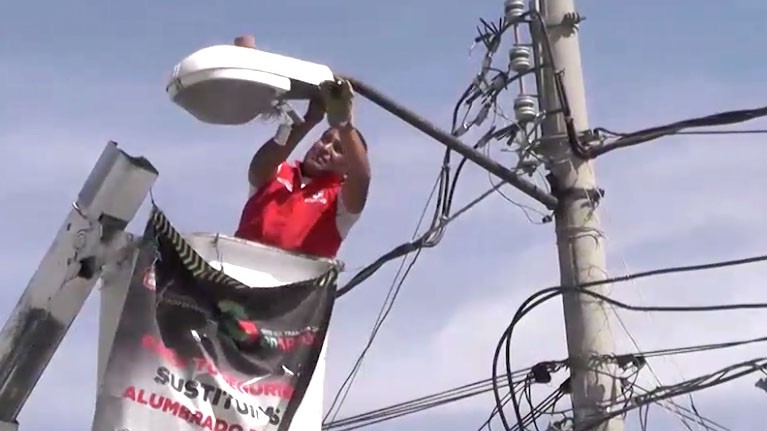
248,332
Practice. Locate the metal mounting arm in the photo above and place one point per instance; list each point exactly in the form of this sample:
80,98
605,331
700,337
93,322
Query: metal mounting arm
453,143
90,237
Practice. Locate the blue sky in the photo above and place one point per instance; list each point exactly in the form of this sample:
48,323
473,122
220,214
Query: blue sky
76,74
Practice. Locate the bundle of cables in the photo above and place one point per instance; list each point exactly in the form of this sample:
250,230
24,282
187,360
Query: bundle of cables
547,294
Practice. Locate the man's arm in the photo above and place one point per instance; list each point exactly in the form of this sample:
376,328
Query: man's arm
338,98
354,192
263,166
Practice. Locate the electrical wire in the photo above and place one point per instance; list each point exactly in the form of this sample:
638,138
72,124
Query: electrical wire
447,189
722,118
691,309
393,291
723,132
442,216
564,104
535,412
442,209
695,349
483,386
641,136
680,410
625,140
526,210
386,307
429,239
418,405
689,413
491,37
661,393
702,132
676,409
420,242
679,415
493,413
549,293
447,193
538,410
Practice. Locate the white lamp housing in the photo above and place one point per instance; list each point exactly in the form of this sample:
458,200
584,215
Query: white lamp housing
232,85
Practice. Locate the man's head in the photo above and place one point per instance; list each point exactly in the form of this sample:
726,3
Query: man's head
326,154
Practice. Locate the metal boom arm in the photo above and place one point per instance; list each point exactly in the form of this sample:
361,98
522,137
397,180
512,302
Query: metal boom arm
91,235
453,143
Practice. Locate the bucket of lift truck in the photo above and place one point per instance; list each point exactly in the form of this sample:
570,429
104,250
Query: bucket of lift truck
253,264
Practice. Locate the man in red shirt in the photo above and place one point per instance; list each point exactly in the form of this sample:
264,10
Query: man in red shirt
309,206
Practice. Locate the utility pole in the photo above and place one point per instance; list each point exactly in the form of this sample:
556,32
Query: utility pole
579,238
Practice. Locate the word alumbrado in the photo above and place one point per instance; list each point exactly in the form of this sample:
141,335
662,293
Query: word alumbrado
175,408
201,364
214,395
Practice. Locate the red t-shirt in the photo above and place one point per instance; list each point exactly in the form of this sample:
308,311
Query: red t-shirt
297,214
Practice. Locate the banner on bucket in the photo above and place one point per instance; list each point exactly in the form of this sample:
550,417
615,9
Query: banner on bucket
198,350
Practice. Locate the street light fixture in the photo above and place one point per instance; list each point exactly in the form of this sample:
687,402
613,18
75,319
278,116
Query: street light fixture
233,85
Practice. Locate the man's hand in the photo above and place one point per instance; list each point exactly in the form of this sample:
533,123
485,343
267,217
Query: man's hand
338,98
264,164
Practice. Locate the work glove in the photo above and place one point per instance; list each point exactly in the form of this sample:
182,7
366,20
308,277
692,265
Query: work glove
337,96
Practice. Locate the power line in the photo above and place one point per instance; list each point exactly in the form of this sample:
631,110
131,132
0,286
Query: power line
387,305
696,132
417,405
480,387
650,368
386,309
438,226
706,381
724,132
547,294
429,239
538,410
492,39
442,215
688,413
420,242
630,139
447,188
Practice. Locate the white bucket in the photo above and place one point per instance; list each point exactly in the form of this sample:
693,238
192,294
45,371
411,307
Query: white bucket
252,264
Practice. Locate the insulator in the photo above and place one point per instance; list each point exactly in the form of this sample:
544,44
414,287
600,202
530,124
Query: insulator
524,108
514,9
519,59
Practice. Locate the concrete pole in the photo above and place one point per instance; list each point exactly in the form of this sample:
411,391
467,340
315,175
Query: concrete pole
579,238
